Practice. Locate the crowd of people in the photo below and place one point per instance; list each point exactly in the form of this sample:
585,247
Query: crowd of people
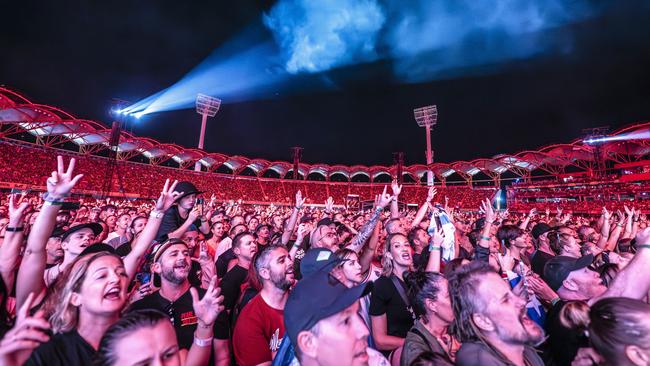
193,278
145,180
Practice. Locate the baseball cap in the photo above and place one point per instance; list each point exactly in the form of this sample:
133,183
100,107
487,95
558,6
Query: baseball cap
95,227
306,218
540,229
316,259
325,221
317,297
187,188
160,248
558,268
96,248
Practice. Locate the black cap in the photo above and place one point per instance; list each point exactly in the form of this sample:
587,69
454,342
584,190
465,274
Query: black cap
540,229
261,226
96,248
57,232
317,297
316,259
187,188
95,227
557,269
306,218
325,222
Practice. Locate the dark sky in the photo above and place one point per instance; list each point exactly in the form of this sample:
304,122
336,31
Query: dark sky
78,55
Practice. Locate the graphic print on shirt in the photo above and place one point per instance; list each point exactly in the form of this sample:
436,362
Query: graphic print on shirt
274,344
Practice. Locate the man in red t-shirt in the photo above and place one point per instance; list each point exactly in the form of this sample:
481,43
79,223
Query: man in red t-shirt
260,325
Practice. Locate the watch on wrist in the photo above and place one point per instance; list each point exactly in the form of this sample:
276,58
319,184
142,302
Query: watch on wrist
155,214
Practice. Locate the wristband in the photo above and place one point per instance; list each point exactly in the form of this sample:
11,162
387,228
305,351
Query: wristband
203,342
485,238
14,229
647,246
555,301
379,209
619,225
155,214
53,203
298,208
48,198
438,248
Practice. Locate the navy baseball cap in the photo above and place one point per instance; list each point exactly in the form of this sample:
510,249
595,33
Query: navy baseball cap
558,268
316,259
317,297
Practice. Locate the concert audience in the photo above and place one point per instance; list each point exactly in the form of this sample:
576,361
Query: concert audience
166,286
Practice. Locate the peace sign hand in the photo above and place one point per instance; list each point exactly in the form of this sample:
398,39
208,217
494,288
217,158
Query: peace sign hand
61,182
167,196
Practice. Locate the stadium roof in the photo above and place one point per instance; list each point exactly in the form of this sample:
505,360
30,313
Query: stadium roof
52,126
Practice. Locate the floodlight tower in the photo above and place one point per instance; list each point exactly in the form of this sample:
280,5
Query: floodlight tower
206,106
427,117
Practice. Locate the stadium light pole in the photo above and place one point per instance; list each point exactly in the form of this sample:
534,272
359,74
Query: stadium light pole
427,117
206,106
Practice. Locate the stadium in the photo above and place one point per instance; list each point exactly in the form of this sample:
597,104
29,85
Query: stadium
247,183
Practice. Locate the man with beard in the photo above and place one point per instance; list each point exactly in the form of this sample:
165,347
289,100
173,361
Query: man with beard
490,320
171,262
260,326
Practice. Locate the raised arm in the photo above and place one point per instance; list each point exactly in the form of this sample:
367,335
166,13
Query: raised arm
633,280
142,242
368,252
365,231
424,208
433,265
604,229
10,248
486,207
394,207
288,229
629,213
524,224
32,267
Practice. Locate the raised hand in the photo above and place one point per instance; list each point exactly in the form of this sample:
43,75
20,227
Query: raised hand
207,309
329,204
486,208
438,237
432,193
28,333
61,182
16,214
300,200
167,196
397,188
384,199
606,214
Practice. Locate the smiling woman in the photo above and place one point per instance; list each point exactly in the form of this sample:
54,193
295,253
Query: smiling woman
85,305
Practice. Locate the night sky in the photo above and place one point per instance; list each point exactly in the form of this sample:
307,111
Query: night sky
78,55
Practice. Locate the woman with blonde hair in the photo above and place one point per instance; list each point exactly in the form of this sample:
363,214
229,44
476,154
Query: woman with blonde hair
391,315
89,301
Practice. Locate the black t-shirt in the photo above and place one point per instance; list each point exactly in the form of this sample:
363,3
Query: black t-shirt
171,221
231,286
222,262
63,349
183,319
538,261
562,343
386,300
